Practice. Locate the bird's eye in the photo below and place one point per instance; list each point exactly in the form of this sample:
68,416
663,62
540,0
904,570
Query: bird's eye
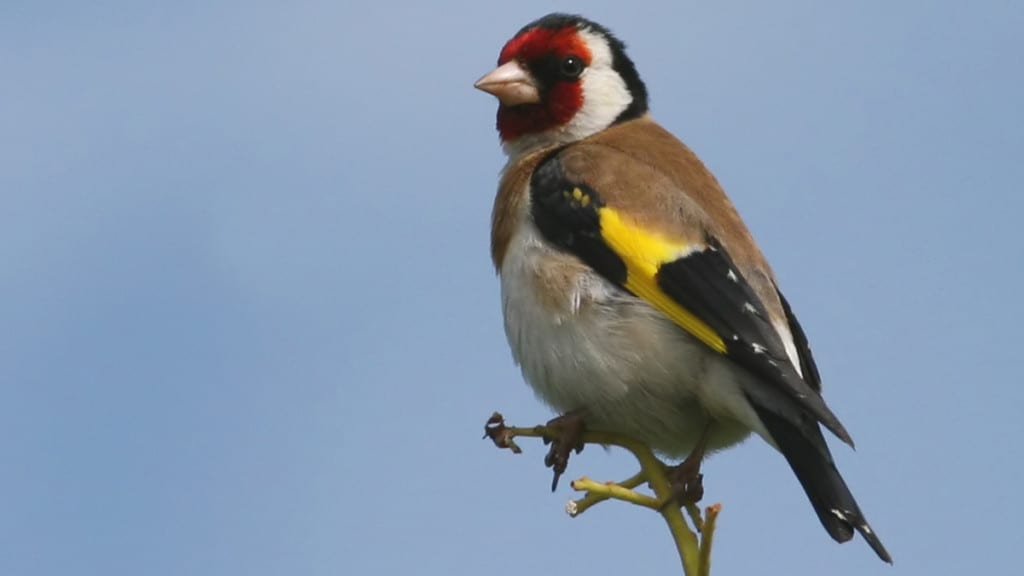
571,67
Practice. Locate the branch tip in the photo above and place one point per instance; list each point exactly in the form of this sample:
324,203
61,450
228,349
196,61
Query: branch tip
694,548
500,434
572,508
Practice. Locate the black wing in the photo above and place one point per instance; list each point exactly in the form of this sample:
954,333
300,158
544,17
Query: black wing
704,284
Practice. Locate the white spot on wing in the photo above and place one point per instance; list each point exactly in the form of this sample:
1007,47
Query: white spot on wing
732,276
787,341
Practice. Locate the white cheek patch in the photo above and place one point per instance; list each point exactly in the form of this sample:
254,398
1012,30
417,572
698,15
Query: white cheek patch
605,95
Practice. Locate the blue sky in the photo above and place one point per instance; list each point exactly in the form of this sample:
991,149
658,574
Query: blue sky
250,325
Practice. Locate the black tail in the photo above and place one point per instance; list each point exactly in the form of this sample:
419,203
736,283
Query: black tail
810,459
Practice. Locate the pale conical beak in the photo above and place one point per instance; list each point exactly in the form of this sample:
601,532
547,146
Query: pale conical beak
510,84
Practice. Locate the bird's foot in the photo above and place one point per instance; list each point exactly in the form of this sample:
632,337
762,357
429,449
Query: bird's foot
686,482
568,438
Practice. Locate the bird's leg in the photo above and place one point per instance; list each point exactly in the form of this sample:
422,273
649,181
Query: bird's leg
686,478
568,438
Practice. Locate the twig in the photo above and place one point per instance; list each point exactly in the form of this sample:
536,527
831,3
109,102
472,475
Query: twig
710,516
577,507
607,490
694,552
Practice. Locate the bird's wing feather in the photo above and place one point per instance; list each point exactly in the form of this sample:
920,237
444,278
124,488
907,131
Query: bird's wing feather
808,368
683,270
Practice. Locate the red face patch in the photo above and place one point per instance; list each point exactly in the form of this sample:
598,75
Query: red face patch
539,42
561,99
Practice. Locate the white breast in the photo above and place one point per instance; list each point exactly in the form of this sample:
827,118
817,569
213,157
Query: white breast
584,344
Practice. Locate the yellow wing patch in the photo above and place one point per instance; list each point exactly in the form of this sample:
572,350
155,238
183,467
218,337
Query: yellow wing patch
643,253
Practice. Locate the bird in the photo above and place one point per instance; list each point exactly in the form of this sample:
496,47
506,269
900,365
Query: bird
635,300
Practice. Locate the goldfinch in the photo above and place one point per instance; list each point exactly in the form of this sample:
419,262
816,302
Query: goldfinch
634,297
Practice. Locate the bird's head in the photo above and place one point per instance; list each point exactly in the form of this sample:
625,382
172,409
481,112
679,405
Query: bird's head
561,79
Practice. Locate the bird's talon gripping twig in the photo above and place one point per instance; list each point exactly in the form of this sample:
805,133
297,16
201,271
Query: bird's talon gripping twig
567,438
687,490
686,478
694,552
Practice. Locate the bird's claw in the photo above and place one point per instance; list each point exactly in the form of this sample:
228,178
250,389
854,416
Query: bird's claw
687,484
568,439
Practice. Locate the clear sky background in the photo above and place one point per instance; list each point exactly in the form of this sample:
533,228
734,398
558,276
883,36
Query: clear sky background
249,325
